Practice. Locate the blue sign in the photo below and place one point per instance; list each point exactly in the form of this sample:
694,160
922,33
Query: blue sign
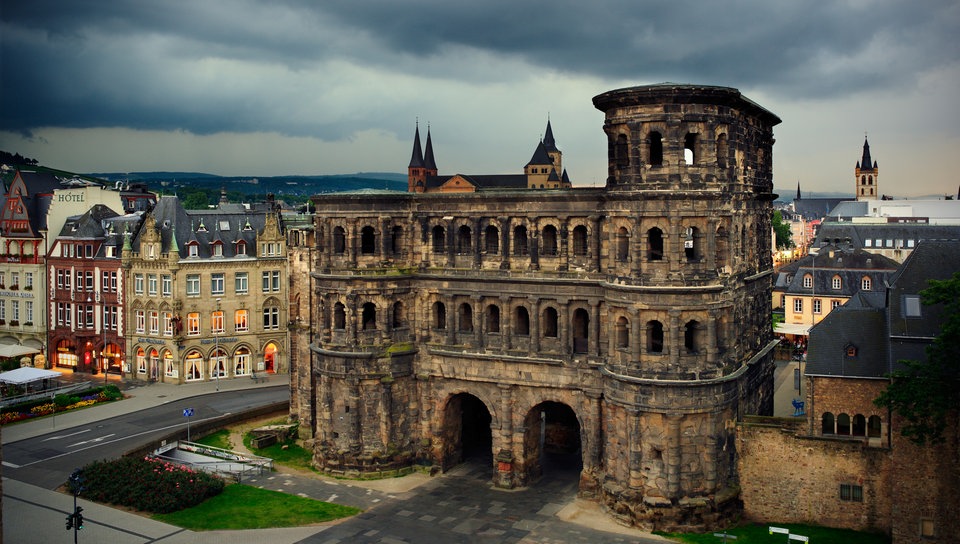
187,412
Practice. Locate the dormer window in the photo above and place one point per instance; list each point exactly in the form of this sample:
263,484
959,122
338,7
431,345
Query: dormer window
807,281
202,227
851,351
837,283
241,248
217,249
193,250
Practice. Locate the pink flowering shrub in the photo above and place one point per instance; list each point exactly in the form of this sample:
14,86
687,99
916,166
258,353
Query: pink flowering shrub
148,484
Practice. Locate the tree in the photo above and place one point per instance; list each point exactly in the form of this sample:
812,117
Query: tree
197,200
782,231
925,393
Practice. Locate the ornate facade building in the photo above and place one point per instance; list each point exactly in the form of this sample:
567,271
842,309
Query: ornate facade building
207,294
624,330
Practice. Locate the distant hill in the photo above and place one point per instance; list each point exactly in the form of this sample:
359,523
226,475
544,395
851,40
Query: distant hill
293,188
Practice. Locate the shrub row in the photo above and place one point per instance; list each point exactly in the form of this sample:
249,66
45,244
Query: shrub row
61,403
148,484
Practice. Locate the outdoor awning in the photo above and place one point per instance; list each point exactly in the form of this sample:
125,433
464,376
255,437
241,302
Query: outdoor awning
792,328
14,350
27,374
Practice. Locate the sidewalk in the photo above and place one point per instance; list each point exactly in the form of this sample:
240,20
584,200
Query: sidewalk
35,515
139,395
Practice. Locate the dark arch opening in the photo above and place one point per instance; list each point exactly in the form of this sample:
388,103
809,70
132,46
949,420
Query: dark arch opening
581,324
466,432
552,440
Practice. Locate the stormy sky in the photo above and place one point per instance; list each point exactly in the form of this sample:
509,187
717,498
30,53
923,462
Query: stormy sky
247,87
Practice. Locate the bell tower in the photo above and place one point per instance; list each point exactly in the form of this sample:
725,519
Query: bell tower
866,175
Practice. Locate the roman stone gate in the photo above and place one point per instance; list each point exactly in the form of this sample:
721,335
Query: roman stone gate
620,332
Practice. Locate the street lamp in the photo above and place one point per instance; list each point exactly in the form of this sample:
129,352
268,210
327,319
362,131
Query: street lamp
103,331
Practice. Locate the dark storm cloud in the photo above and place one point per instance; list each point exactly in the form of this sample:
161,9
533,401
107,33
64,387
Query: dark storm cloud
241,66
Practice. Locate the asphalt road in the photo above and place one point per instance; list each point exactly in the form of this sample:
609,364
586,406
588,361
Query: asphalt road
48,459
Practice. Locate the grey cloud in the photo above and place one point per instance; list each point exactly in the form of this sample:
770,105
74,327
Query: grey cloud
115,63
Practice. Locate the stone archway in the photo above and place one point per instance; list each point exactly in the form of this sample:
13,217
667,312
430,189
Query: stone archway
465,432
552,441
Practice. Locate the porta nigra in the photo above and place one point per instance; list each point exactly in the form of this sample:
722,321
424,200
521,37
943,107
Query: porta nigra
622,331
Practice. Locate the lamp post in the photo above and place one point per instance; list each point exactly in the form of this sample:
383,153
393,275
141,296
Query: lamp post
216,343
103,331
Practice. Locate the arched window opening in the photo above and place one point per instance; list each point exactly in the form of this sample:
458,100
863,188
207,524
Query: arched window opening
520,241
549,240
369,316
550,322
722,150
439,239
836,283
621,152
339,316
843,424
439,315
493,318
367,241
580,241
866,284
521,321
466,317
690,148
863,180
873,427
464,240
655,244
339,241
826,425
656,149
492,239
623,332
655,337
581,325
859,425
396,240
869,180
397,315
691,244
691,334
623,244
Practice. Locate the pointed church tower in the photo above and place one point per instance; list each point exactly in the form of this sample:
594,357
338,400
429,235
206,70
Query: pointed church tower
416,174
555,154
429,163
866,175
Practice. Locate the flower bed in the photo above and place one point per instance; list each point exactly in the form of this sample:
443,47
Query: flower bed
148,484
61,403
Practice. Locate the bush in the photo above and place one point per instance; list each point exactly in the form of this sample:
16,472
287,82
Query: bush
148,484
62,401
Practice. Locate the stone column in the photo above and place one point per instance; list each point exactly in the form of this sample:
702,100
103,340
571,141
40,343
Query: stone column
506,324
386,411
636,338
356,444
451,243
352,242
673,455
563,242
533,244
504,242
534,327
711,326
479,321
597,239
503,444
595,431
675,333
477,253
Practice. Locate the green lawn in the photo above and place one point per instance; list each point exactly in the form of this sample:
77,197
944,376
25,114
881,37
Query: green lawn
218,439
294,456
245,507
760,534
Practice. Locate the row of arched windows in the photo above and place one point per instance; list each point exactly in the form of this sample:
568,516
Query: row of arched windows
548,244
653,145
844,425
549,324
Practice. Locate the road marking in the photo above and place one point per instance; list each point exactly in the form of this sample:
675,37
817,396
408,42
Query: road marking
120,439
9,464
58,437
92,441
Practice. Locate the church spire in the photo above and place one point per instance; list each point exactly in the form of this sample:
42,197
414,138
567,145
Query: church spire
866,175
428,161
798,190
416,160
548,140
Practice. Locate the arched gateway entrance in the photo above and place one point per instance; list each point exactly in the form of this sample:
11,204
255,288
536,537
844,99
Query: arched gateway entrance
551,441
466,431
